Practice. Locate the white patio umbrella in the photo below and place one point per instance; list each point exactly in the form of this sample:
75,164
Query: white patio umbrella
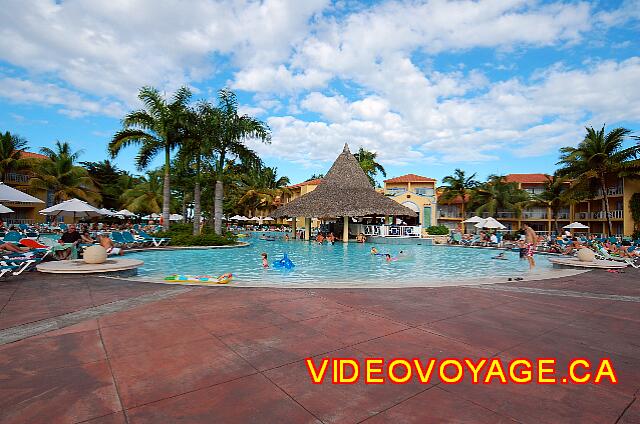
490,223
175,217
124,213
237,218
75,208
10,194
473,220
268,218
106,212
576,226
4,209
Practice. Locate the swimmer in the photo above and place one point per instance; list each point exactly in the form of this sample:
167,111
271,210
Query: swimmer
499,256
374,251
286,237
265,262
388,258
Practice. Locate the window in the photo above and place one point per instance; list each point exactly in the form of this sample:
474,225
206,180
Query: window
424,191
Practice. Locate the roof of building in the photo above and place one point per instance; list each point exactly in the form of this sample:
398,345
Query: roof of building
26,154
344,191
306,183
526,178
410,178
455,201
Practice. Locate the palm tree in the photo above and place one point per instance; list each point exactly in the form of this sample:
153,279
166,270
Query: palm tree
146,195
458,185
59,174
597,156
261,187
368,163
159,127
553,197
11,148
497,194
231,131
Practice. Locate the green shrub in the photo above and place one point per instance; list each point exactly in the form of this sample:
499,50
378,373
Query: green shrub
182,235
437,230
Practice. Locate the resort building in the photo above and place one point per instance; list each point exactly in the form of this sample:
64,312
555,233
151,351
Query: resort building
449,214
415,192
26,213
592,212
295,191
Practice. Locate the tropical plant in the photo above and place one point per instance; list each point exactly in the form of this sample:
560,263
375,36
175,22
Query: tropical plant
109,181
554,197
497,194
146,195
261,187
230,131
460,186
634,207
315,177
597,156
158,128
11,149
60,175
368,163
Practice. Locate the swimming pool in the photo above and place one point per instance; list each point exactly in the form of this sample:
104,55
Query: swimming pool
339,263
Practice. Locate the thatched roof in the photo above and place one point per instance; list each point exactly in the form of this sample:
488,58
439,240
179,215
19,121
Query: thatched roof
344,191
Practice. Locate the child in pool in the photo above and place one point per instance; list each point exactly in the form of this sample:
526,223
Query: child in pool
265,262
499,256
374,251
388,258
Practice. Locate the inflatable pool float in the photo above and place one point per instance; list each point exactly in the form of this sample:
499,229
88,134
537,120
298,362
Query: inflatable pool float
285,262
199,279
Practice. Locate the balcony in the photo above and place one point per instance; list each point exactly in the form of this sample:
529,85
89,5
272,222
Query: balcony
617,214
15,178
394,191
445,214
534,215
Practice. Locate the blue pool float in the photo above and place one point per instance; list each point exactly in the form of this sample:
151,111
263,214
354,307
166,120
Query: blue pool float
285,262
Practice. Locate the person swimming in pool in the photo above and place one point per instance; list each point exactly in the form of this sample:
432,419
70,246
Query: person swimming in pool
388,258
499,256
374,251
265,262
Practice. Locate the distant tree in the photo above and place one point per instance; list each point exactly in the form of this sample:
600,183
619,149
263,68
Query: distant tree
108,181
497,194
315,177
555,196
11,148
458,185
146,195
597,156
60,174
368,163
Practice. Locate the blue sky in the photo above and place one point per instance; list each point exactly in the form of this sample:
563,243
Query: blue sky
487,86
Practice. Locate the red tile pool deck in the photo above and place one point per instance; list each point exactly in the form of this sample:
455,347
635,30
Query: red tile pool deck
235,355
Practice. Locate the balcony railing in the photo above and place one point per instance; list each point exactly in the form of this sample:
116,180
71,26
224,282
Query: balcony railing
394,191
18,221
617,214
534,215
13,177
393,230
562,215
445,214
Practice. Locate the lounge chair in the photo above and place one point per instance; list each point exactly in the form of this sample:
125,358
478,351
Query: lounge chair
118,239
603,254
128,237
456,238
157,241
13,237
475,239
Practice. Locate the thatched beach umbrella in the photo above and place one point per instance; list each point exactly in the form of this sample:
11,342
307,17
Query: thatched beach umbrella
344,192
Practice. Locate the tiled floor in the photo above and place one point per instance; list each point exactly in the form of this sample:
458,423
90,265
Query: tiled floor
236,355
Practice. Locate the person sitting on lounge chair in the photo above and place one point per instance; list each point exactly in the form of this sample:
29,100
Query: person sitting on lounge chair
108,245
575,245
11,248
69,241
86,238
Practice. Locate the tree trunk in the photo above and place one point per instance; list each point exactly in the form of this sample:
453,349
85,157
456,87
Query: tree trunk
217,207
184,206
555,221
603,184
196,208
166,190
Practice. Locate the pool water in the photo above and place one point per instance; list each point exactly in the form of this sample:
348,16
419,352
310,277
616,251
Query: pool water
339,263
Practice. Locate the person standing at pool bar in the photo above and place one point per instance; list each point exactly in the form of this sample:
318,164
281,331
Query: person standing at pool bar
531,239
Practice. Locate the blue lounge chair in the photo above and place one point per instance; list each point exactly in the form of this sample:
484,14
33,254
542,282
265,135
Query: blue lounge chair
13,237
128,238
118,239
157,241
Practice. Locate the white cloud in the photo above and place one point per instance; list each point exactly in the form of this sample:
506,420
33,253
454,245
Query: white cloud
73,103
